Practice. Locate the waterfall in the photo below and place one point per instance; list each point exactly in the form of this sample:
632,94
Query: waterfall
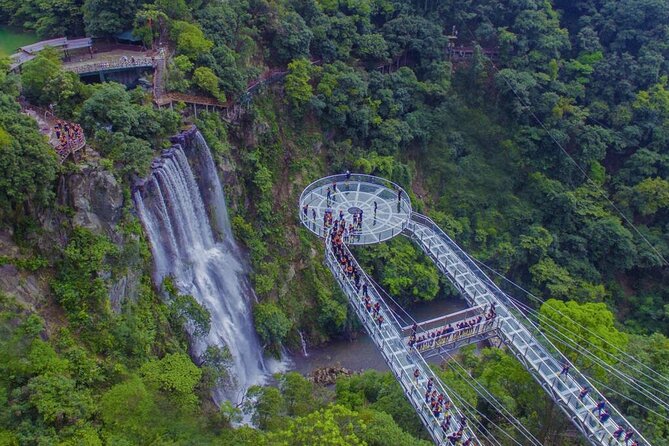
178,211
304,344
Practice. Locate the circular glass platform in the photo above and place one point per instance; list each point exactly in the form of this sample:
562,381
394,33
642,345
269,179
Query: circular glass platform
383,207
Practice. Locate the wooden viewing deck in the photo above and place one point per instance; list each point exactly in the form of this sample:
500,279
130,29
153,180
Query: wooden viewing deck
47,122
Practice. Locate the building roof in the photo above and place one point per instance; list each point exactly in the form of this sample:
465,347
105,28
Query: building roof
39,46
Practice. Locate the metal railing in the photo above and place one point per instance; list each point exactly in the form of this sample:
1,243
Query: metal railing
432,342
524,338
399,358
141,62
363,237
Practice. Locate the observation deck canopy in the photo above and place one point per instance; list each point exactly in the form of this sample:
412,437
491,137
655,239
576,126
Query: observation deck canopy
352,196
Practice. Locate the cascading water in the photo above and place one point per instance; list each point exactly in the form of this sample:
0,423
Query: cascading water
205,262
304,345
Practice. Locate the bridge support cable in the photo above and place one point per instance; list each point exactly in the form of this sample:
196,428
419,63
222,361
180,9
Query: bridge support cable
528,344
660,381
490,398
400,360
420,329
558,333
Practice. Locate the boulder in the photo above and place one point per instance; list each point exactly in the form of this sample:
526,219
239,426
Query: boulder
97,199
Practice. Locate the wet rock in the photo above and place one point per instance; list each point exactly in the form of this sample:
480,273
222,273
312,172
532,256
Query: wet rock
327,376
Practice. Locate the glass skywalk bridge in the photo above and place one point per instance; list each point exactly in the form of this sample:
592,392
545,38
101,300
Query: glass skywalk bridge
382,210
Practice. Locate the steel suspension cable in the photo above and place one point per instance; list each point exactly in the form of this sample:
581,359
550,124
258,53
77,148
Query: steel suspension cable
559,331
462,402
532,438
639,386
387,295
663,416
490,398
575,346
623,352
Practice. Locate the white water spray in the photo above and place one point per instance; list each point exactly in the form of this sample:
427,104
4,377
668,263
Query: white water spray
175,213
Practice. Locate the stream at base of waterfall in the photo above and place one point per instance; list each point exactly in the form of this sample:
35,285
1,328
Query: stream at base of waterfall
361,353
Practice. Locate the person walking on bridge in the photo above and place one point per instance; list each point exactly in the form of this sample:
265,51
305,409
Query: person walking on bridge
628,436
618,432
583,393
604,416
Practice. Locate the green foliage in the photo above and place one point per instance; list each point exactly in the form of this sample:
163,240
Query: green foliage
190,39
110,107
592,322
186,310
266,405
404,272
651,195
271,324
149,24
57,399
107,17
215,132
29,264
28,165
380,392
129,154
125,131
176,375
298,394
297,84
216,369
291,37
81,287
334,426
38,74
205,79
372,47
458,135
128,407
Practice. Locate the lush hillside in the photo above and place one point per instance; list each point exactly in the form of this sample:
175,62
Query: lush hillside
545,154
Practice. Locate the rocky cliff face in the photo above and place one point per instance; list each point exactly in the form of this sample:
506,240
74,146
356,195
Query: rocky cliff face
97,199
91,198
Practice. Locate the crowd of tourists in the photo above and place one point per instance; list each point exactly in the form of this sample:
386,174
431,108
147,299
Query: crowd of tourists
437,403
351,270
440,406
340,232
620,434
69,136
448,333
353,230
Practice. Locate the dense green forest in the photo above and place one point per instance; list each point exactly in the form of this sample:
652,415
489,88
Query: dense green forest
545,154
